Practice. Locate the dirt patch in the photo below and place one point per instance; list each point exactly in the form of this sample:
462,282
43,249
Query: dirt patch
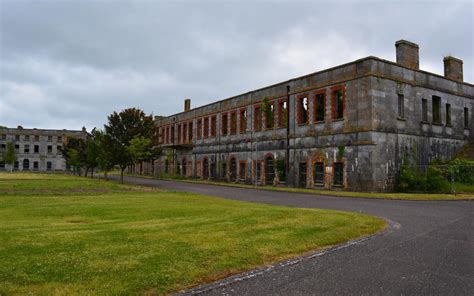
78,221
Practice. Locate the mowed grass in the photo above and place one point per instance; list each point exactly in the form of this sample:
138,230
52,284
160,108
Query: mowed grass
466,191
117,239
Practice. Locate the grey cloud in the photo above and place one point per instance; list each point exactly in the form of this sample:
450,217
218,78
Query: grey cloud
65,64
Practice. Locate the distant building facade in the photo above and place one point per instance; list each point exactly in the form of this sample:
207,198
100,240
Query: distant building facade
349,127
37,149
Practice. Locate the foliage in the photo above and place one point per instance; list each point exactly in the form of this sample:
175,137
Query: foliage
267,109
140,148
104,155
281,169
121,129
412,179
10,156
75,153
462,170
340,152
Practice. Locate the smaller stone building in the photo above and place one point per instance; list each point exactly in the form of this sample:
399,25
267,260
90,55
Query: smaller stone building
37,149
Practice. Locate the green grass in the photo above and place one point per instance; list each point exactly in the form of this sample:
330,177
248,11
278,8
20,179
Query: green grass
117,239
467,191
57,184
461,187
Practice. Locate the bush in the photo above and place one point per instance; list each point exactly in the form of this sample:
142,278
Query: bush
462,170
281,169
415,180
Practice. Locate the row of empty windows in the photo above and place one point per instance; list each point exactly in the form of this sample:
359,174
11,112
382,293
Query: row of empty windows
319,174
26,164
237,170
32,138
436,111
266,116
34,149
318,109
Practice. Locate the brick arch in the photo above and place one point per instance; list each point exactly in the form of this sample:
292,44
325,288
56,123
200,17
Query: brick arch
265,172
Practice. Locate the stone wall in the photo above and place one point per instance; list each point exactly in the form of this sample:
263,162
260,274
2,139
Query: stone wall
369,141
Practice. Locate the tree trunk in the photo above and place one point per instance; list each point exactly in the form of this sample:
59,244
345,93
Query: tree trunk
121,174
92,174
105,175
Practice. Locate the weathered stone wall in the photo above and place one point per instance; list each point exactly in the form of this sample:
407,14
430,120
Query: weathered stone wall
29,138
369,141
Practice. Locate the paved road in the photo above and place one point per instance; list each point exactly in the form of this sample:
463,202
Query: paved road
431,253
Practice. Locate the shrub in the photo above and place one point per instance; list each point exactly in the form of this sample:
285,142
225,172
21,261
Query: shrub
281,169
462,170
412,179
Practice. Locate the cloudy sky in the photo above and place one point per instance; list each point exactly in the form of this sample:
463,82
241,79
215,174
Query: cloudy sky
68,64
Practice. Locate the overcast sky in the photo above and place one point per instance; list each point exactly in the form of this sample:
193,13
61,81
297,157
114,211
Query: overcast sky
68,64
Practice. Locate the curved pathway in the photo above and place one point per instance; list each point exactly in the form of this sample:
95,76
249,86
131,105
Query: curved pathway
431,252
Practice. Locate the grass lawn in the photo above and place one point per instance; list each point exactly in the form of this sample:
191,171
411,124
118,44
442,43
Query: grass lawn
467,191
70,235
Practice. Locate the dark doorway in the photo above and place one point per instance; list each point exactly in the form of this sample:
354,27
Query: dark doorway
224,171
302,175
184,167
213,170
338,173
205,169
258,168
319,173
233,170
26,164
269,171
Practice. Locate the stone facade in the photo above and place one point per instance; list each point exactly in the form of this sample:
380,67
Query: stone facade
349,127
37,149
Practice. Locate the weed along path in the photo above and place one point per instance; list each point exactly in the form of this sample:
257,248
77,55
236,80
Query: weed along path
429,251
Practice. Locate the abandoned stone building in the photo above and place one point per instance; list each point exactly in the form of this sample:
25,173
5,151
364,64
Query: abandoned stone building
350,126
36,149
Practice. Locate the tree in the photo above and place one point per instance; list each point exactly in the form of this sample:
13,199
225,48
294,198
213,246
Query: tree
105,160
121,129
10,156
92,152
140,149
75,154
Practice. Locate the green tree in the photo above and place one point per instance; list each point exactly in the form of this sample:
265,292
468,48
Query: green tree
105,159
92,152
267,109
140,149
121,129
10,156
75,154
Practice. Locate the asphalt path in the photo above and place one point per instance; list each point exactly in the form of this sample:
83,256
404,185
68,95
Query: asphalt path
429,249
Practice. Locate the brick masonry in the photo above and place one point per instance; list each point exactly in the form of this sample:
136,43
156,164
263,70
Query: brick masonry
369,140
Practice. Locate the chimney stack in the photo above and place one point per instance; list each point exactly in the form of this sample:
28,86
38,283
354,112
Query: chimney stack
187,105
407,54
453,68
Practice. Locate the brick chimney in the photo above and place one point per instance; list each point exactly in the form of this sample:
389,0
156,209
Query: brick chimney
453,68
407,54
187,105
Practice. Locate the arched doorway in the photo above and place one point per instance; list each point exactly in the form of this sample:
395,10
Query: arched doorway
269,171
205,168
26,164
233,169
